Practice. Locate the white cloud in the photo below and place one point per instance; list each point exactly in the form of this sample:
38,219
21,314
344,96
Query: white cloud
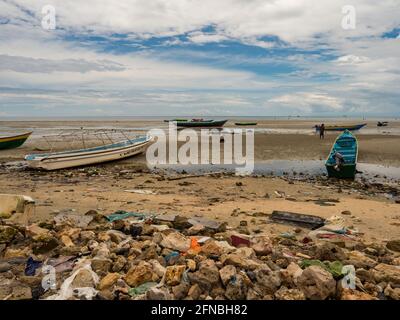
352,59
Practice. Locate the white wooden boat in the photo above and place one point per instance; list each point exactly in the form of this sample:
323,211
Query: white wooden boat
89,156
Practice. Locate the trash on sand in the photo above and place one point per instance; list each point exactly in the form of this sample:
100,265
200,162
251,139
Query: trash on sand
140,191
67,289
335,267
334,228
142,289
288,235
120,215
78,220
62,263
31,266
298,219
240,240
210,224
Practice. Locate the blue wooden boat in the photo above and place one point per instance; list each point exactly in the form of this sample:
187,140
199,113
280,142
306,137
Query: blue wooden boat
199,123
342,127
346,145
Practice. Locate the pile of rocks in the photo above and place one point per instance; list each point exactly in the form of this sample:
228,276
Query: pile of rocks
136,258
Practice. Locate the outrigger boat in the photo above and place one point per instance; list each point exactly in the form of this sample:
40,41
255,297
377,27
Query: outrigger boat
89,156
200,123
343,127
177,120
342,159
11,142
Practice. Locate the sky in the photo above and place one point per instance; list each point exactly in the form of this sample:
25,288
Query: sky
200,58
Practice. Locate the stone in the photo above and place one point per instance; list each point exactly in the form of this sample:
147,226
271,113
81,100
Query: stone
8,234
158,269
239,261
34,231
253,294
207,276
329,251
86,236
21,292
227,273
101,266
45,245
108,281
196,229
394,245
387,273
350,294
212,248
181,290
392,293
191,264
83,278
119,264
236,290
173,274
139,274
246,252
267,280
175,241
360,260
289,294
4,266
346,213
291,274
14,253
262,245
316,283
158,294
194,292
66,241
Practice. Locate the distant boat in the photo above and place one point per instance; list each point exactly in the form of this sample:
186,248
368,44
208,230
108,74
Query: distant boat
199,123
12,142
89,156
346,145
382,124
343,127
246,123
177,120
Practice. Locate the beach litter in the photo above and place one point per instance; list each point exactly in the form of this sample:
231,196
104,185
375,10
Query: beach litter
297,219
140,191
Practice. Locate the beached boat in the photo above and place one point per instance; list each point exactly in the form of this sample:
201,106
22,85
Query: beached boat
89,156
199,123
342,127
245,123
382,124
11,142
177,120
346,145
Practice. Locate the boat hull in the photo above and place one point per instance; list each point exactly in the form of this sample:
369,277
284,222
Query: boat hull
71,160
14,141
246,123
343,128
346,172
201,124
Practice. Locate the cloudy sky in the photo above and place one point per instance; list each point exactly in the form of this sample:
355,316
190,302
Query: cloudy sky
200,57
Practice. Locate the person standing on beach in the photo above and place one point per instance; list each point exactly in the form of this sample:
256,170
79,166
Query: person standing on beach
322,131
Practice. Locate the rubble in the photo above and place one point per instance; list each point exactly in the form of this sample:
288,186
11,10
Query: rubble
176,258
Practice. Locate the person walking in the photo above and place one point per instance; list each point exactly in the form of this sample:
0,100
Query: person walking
322,131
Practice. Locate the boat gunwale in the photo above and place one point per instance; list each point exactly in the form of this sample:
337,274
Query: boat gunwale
17,137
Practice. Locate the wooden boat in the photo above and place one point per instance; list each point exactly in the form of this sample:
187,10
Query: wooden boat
382,124
177,120
11,142
343,127
347,145
200,123
89,156
245,123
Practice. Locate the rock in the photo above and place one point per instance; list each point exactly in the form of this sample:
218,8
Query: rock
45,245
214,248
289,294
20,292
393,245
236,290
268,281
365,275
316,283
176,241
108,281
158,269
101,266
191,264
330,252
253,294
66,241
196,229
387,273
181,223
291,274
158,294
194,292
14,253
8,234
349,294
262,245
346,213
119,264
173,275
139,274
86,236
180,291
392,293
246,252
227,273
4,266
35,231
207,276
239,261
360,260
83,278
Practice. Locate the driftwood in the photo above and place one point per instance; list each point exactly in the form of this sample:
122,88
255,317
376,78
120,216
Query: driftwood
194,175
298,219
